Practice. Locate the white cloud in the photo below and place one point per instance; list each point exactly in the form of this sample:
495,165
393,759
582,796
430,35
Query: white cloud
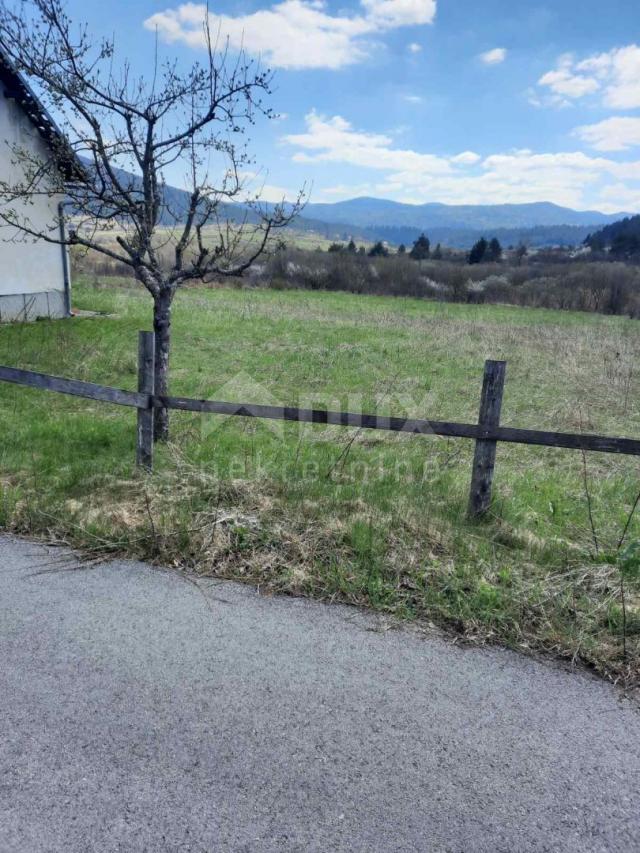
334,140
494,57
254,186
617,198
295,33
613,134
565,82
412,99
568,178
614,76
389,14
540,99
467,158
275,194
414,47
340,191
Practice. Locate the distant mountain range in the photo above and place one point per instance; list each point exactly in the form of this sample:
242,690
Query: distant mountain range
456,225
459,226
458,238
376,212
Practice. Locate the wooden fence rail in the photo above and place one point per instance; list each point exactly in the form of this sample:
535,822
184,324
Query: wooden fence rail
486,433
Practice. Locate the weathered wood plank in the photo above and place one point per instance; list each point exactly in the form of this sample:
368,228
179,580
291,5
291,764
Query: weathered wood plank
484,459
74,387
321,416
572,441
146,386
575,441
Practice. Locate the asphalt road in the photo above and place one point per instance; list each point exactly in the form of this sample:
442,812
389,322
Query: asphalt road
140,712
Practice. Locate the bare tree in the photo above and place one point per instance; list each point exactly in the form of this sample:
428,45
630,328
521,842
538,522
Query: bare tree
124,133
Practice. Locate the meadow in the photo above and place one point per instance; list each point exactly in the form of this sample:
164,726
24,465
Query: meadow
375,519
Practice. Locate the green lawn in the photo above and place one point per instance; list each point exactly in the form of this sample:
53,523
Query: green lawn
371,518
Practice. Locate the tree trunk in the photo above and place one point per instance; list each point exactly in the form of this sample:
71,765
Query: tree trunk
162,331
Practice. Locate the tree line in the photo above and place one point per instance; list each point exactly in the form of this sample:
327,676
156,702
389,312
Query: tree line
483,251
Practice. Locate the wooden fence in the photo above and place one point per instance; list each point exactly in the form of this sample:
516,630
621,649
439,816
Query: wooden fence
486,433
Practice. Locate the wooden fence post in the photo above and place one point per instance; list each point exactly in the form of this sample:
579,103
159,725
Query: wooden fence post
484,458
146,385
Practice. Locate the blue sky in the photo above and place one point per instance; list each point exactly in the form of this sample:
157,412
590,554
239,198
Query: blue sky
426,100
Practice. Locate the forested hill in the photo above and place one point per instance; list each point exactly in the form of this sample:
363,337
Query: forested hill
622,238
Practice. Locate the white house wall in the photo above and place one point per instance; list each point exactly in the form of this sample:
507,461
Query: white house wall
31,272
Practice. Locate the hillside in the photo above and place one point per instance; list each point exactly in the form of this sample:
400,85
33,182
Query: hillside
621,238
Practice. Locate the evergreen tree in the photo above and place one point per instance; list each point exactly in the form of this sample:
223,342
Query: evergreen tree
378,250
402,249
421,249
351,247
595,243
494,252
437,253
625,246
479,251
335,247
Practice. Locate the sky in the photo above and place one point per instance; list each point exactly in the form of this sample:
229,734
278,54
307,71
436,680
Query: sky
419,101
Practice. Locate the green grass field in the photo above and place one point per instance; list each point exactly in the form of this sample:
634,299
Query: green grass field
369,518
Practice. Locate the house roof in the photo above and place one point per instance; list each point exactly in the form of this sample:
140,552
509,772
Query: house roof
15,87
